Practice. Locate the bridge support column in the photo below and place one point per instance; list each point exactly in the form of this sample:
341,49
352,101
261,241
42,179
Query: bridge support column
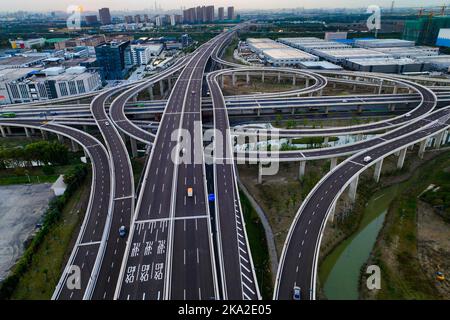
438,139
401,158
233,77
135,98
260,168
161,88
380,88
134,151
44,134
301,170
327,110
279,77
2,131
445,140
33,131
320,92
221,82
169,83
377,173
332,212
354,87
74,146
333,163
8,130
150,92
307,83
392,107
85,128
423,145
394,91
27,132
60,138
293,80
247,78
262,77
353,188
334,85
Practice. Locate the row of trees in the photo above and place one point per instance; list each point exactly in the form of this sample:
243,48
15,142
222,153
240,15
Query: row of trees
42,152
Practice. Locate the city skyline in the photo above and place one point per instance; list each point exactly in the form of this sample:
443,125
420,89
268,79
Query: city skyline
49,5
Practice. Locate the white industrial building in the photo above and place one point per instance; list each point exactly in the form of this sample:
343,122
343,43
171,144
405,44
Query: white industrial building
28,85
144,53
383,43
287,57
386,65
438,63
278,54
409,52
309,44
340,55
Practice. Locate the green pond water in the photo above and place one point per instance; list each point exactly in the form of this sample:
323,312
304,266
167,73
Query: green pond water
340,271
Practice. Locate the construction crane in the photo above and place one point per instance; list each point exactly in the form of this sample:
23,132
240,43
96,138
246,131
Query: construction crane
443,10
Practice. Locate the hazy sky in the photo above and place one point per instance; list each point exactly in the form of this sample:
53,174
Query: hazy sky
61,5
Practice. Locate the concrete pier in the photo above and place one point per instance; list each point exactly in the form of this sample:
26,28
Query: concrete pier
301,170
377,173
401,158
352,189
333,163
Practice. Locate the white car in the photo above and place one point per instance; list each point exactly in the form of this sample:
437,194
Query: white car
367,159
408,115
106,123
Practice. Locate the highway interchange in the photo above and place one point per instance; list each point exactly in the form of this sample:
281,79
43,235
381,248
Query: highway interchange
177,248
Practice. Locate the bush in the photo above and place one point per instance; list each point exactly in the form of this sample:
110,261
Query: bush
48,170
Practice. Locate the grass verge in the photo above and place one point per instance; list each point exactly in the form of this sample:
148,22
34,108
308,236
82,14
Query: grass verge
258,246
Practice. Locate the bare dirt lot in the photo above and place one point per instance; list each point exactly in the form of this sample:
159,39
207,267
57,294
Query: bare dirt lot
21,207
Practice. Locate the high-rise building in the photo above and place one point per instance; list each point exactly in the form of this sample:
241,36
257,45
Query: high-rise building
146,18
230,13
92,19
105,16
112,57
190,15
199,14
221,13
209,16
137,18
128,19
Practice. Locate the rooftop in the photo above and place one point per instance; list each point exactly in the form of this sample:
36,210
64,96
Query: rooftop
14,74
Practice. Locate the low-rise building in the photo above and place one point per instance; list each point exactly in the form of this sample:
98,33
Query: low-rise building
29,85
144,53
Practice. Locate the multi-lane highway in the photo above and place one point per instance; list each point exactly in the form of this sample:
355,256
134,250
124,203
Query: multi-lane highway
236,264
169,253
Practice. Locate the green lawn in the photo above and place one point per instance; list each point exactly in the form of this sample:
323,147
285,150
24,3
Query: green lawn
258,246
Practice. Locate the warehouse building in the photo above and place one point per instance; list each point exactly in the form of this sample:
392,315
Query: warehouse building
340,55
278,54
437,63
386,65
409,52
309,44
287,57
383,43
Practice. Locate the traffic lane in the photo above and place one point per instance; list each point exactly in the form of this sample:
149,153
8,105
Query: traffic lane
145,271
110,268
84,259
192,271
